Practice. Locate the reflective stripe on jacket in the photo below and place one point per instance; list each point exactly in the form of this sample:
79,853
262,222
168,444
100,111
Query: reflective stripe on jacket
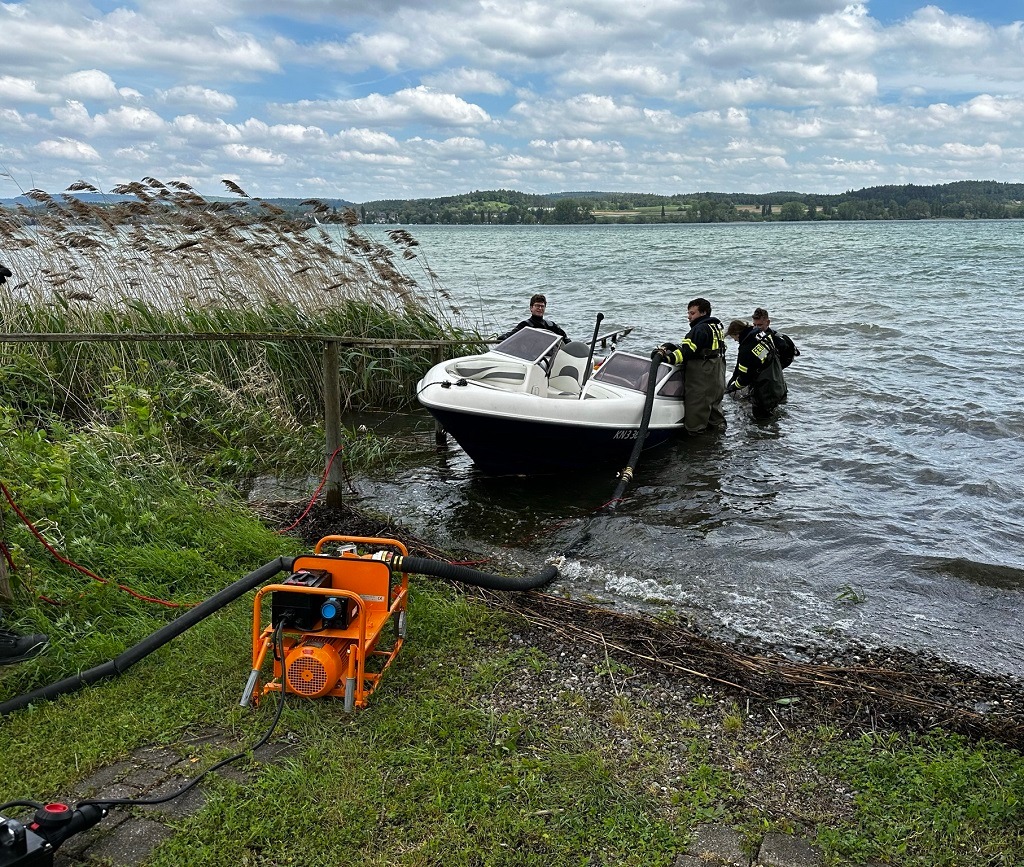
705,339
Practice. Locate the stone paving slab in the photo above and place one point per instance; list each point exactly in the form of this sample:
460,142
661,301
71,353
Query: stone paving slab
783,850
129,843
714,846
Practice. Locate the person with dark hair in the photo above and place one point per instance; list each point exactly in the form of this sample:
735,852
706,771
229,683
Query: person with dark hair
538,306
703,353
757,366
784,344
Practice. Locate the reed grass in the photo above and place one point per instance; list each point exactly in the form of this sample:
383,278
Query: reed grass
160,259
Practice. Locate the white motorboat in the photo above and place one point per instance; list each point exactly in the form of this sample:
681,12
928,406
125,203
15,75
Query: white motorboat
530,404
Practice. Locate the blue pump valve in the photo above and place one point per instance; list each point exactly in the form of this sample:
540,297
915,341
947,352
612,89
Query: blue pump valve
330,608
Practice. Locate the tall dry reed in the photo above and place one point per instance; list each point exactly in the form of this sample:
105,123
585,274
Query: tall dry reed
159,258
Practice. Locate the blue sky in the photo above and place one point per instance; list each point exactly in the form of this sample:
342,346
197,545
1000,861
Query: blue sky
405,99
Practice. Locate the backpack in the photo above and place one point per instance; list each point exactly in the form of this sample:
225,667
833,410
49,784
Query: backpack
786,348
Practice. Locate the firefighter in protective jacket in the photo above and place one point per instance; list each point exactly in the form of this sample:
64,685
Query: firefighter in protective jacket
757,366
703,353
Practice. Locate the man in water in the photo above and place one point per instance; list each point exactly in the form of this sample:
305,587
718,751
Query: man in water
757,365
538,305
703,353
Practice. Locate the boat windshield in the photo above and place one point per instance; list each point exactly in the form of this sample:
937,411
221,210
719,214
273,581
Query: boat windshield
627,371
529,344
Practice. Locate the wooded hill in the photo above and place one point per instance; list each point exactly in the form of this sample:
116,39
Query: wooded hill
964,200
959,200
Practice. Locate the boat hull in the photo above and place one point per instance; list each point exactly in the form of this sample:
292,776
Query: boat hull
499,445
528,406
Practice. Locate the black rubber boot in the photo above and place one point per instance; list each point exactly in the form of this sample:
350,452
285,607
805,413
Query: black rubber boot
18,648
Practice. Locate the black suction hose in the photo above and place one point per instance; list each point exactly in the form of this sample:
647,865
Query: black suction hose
440,569
157,639
590,357
626,476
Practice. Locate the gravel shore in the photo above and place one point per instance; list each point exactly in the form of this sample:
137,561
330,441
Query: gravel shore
855,689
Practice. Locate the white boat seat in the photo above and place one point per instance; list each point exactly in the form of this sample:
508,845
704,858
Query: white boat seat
565,384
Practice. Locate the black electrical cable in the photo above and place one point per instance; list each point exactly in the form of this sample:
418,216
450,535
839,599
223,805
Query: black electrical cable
32,805
144,802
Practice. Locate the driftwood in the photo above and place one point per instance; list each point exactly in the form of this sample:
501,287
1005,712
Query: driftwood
6,592
887,689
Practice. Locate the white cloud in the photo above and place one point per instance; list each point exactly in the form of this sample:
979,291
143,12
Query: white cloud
368,141
14,89
408,106
89,84
405,98
465,80
198,98
69,150
455,148
128,120
258,156
618,74
566,150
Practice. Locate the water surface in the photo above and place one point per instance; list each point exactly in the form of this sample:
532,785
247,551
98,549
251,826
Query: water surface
885,504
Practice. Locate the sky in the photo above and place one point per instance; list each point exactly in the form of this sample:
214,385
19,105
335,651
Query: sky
383,99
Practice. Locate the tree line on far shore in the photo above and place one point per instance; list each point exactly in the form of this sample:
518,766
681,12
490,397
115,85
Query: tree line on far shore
961,200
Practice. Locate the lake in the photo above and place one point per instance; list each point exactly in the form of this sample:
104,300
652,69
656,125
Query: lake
884,505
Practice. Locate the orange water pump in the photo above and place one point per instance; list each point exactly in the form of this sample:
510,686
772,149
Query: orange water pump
336,623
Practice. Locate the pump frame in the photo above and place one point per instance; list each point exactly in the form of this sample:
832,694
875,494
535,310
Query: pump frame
364,581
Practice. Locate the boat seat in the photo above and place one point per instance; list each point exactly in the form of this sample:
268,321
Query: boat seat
565,383
569,363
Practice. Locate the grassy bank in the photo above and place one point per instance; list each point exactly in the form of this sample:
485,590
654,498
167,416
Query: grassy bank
493,740
168,262
490,742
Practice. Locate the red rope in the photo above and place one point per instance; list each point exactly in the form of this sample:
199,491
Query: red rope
75,566
316,493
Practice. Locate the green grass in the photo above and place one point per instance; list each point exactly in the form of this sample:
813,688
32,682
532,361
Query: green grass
173,263
431,773
935,799
127,461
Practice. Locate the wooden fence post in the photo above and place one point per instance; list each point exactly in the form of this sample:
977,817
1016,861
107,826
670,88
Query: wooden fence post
332,422
6,593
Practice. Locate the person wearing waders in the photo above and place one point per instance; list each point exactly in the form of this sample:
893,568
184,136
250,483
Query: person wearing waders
703,353
757,366
784,344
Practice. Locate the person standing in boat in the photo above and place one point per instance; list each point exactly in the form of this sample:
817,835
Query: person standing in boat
703,353
538,306
757,366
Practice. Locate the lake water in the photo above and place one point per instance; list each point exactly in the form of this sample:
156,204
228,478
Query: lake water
884,505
